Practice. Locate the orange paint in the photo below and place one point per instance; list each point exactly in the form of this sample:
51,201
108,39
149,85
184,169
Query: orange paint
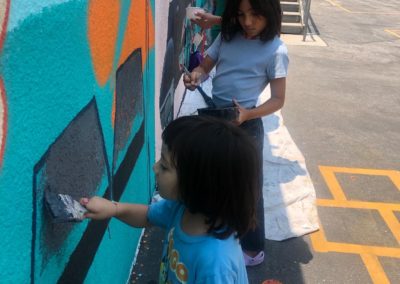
113,111
103,24
3,120
3,102
103,20
139,32
3,27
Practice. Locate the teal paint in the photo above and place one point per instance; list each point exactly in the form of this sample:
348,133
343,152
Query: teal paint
149,101
46,82
48,77
20,9
111,254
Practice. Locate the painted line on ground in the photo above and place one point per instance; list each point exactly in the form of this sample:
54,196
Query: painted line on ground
395,33
375,269
368,254
338,5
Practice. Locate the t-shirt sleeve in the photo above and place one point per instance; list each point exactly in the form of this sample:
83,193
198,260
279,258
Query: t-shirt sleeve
161,213
278,66
213,50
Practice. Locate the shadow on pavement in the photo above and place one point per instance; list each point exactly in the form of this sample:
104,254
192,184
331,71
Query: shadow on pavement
283,261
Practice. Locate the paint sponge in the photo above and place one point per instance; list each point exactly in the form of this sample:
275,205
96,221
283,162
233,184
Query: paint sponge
63,208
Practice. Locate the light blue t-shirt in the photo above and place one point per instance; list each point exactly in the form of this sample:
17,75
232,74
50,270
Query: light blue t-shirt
244,67
195,259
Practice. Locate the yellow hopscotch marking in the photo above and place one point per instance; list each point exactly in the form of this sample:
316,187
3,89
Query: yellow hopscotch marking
358,204
392,222
395,33
334,3
338,5
375,269
369,254
333,183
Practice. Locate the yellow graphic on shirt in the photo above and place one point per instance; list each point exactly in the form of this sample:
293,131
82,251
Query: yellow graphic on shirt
170,262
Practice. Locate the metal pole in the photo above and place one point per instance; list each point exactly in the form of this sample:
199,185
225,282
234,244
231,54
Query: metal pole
306,16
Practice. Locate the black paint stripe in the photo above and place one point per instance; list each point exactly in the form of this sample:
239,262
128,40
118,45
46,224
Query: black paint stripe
81,259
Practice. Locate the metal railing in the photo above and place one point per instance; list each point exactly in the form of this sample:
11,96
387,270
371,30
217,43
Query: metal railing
306,4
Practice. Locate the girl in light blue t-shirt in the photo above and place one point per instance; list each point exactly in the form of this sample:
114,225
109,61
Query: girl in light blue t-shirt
248,55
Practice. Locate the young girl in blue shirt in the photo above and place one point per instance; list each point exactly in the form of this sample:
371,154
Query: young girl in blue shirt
248,55
208,175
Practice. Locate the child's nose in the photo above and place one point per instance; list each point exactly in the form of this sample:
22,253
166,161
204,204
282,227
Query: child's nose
248,21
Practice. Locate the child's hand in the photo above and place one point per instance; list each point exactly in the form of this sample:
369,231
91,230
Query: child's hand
98,208
192,81
206,20
243,113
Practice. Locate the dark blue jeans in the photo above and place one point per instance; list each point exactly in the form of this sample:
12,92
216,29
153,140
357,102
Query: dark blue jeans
253,240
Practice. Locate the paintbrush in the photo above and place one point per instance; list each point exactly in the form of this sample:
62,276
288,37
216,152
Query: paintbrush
206,98
63,208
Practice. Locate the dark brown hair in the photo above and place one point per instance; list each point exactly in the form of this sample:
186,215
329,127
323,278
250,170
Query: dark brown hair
270,9
218,173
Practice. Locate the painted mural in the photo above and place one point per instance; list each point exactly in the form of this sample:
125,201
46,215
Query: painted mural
85,91
76,117
179,44
174,35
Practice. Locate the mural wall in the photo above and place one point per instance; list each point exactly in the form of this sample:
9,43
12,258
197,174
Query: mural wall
175,36
85,92
77,117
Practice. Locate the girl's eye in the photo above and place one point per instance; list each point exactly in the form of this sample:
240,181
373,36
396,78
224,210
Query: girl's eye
164,168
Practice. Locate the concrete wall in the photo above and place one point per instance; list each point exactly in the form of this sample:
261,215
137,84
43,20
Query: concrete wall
76,116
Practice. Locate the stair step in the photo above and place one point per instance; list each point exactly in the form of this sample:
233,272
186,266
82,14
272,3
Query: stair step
292,28
290,6
291,17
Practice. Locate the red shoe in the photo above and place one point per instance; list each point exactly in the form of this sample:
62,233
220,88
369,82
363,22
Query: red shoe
272,281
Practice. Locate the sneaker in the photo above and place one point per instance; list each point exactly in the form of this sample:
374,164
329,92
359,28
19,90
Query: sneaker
253,261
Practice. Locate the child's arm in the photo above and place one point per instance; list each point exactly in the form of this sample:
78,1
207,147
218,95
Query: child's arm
206,20
99,208
199,74
278,88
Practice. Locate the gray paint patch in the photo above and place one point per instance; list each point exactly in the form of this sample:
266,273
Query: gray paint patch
75,164
129,100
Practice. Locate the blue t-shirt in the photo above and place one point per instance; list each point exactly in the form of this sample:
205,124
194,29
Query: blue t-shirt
195,259
244,67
